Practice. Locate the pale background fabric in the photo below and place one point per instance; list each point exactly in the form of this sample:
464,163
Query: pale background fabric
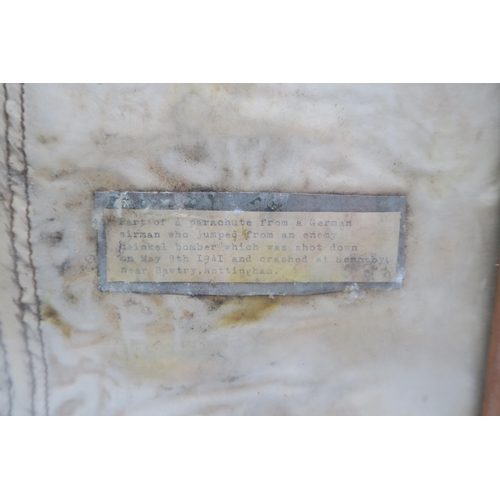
69,349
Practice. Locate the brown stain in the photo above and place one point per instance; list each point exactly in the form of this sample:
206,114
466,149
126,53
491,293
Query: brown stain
157,300
246,310
111,311
172,182
187,315
161,327
77,269
52,316
72,204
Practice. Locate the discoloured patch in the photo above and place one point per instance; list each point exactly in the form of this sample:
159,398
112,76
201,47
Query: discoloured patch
143,364
46,139
75,269
195,153
70,297
214,302
161,327
247,310
170,181
63,268
51,315
52,239
187,315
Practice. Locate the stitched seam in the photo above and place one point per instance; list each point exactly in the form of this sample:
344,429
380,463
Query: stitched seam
7,371
2,342
19,301
30,253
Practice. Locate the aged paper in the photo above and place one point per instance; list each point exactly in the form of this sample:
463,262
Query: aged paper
251,247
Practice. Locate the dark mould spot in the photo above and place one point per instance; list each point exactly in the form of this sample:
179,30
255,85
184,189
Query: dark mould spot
53,239
256,199
213,301
61,174
102,138
227,173
273,207
63,267
193,154
212,199
191,203
208,189
170,182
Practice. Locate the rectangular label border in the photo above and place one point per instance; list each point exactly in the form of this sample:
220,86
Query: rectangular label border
245,202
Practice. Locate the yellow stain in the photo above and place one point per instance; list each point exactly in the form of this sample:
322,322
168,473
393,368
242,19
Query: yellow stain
51,315
248,310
